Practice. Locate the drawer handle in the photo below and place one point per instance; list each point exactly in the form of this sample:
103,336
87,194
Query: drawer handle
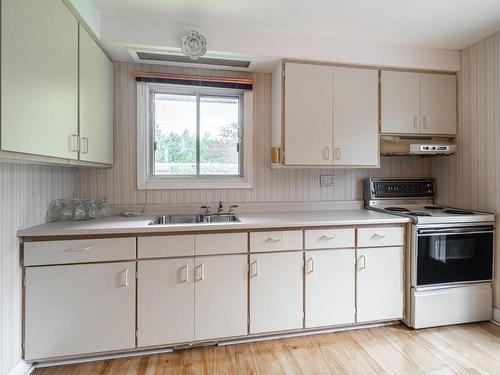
79,248
328,237
275,239
310,266
184,274
379,235
198,278
124,278
254,269
364,262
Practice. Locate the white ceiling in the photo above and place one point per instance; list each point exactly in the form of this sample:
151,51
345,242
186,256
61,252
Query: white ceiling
443,24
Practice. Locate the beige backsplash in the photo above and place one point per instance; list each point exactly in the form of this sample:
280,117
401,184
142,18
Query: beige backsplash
119,182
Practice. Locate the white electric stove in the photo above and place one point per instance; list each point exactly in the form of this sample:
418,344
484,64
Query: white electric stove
450,253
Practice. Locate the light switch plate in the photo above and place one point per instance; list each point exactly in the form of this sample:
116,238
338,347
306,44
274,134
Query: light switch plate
326,181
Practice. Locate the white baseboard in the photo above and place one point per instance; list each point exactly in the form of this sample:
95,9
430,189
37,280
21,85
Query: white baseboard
102,357
496,315
22,368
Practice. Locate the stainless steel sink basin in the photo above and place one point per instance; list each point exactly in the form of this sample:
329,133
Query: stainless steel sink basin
194,219
221,218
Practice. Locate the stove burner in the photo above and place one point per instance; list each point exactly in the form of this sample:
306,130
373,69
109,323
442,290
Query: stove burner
397,209
433,207
419,213
455,211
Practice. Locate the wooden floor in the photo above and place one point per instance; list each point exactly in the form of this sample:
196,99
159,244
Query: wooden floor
464,349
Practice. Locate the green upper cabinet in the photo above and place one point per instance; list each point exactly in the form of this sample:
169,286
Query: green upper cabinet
96,102
39,80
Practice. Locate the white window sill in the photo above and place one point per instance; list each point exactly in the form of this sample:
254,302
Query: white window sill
191,184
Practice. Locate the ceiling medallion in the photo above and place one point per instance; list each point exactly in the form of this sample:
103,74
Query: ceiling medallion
193,45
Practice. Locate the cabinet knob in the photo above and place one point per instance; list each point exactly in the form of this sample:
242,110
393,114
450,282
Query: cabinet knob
415,122
275,239
74,142
363,266
310,266
326,153
425,122
254,269
328,237
337,153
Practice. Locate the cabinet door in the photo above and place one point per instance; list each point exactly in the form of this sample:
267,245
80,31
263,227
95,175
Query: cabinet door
96,102
39,85
308,114
77,309
400,102
329,288
355,117
165,301
276,292
379,284
438,103
221,284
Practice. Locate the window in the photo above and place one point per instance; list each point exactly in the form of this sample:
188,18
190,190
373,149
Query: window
193,137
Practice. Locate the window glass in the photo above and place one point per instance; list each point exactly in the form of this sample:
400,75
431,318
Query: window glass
219,128
175,134
196,134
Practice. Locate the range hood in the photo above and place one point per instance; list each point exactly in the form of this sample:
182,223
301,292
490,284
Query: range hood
394,145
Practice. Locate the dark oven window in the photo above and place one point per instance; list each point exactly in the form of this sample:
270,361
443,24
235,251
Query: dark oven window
448,258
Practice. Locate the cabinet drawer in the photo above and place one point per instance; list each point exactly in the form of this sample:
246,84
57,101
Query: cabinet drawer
78,251
275,241
388,236
165,246
329,238
223,243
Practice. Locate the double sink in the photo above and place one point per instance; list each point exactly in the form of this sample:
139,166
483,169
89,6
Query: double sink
194,219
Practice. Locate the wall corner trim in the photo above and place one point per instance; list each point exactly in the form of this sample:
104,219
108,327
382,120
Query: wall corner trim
22,368
496,315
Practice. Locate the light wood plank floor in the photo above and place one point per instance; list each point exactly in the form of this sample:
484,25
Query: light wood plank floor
464,349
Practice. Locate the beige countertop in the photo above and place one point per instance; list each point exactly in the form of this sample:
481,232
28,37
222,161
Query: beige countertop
115,225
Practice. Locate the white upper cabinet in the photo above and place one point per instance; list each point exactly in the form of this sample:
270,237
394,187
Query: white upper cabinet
96,102
39,89
330,116
418,103
355,117
438,104
400,102
308,114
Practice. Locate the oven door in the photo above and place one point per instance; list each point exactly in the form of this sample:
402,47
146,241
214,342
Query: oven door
454,255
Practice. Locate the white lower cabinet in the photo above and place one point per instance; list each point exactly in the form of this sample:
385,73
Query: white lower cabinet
379,284
276,292
187,299
165,301
79,309
221,291
329,287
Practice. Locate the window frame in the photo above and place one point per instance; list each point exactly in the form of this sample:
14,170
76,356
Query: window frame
146,180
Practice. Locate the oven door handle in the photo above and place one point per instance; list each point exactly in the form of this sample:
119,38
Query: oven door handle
451,231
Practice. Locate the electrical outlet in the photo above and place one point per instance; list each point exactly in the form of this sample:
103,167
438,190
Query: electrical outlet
326,181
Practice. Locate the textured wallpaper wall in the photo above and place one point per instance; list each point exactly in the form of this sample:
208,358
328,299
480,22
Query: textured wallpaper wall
119,183
471,178
25,192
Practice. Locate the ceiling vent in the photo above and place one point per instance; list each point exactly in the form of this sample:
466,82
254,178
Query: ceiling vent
169,58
